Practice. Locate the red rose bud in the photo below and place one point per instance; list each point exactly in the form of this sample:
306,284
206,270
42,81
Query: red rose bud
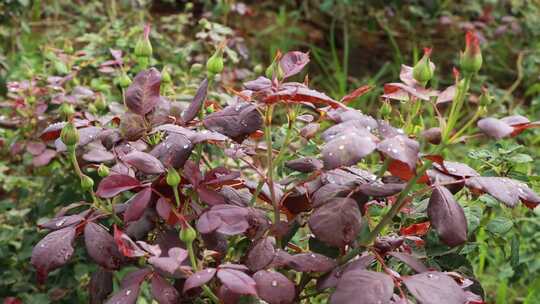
471,58
423,70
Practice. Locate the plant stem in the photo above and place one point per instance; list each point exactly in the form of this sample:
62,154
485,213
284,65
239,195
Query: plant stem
209,293
270,167
176,196
400,202
457,104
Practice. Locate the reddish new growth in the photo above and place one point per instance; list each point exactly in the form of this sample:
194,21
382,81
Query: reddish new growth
472,46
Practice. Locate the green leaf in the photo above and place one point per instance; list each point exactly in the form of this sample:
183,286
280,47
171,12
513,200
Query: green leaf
521,158
499,225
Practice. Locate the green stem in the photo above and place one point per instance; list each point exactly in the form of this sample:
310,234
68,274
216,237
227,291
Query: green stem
400,202
457,104
286,141
176,196
209,293
467,125
270,169
383,168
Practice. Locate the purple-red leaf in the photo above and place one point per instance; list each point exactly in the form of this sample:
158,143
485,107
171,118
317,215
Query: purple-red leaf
400,148
261,255
235,121
114,184
495,128
293,62
447,217
197,102
143,93
137,205
100,286
101,247
337,222
363,287
125,245
305,164
274,288
310,262
127,295
52,252
225,219
504,189
170,265
144,162
435,288
411,261
163,291
237,281
62,222
346,149
199,278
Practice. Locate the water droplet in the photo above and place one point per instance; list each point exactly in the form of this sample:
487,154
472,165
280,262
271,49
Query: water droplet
62,222
274,283
128,292
394,151
313,255
186,146
341,147
330,154
343,137
430,275
209,270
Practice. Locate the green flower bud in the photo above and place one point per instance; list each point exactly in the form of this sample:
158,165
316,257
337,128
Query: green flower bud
66,110
258,69
386,109
188,234
274,69
214,65
92,108
485,98
87,183
166,76
173,178
68,47
143,48
124,81
100,103
69,135
423,70
103,170
471,59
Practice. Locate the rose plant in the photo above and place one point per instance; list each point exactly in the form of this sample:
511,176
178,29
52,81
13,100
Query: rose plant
224,203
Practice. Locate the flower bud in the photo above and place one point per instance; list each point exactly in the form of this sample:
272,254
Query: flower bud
485,98
258,69
100,102
143,62
214,65
66,110
173,178
69,135
92,108
471,59
103,170
274,69
124,81
87,183
143,48
423,70
166,76
188,234
386,109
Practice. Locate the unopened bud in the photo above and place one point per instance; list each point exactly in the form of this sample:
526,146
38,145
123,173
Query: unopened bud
69,135
143,48
188,234
100,102
66,110
103,170
196,68
274,69
214,65
386,109
166,76
471,59
173,178
124,81
87,183
485,98
423,70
